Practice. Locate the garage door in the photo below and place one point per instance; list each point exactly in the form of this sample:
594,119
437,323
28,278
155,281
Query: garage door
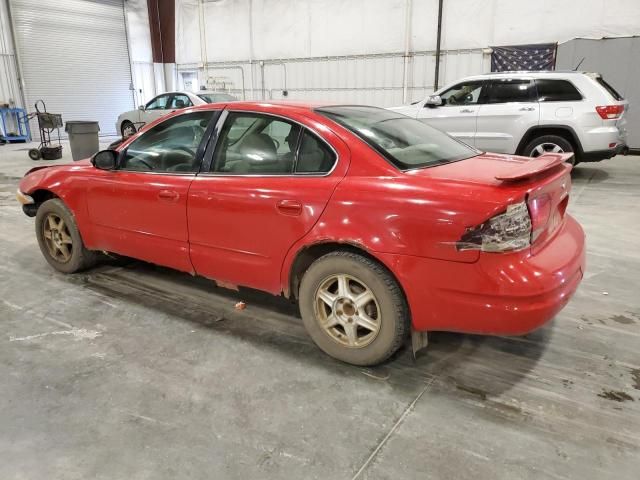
74,57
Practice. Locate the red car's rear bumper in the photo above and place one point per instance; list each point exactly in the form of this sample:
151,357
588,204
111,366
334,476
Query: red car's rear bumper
500,294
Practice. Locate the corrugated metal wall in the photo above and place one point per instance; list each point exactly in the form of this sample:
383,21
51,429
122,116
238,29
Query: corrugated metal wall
617,60
74,56
369,79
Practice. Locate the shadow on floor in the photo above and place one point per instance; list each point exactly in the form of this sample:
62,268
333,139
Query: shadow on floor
467,364
588,174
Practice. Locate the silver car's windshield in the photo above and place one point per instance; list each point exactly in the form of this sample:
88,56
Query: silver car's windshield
217,97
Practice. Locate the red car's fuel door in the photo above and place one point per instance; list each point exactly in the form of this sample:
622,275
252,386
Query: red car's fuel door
140,209
269,181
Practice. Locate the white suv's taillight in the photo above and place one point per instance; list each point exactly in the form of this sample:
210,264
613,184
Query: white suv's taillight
610,112
507,231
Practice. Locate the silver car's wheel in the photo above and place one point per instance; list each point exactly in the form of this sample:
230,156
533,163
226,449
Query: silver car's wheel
348,311
128,129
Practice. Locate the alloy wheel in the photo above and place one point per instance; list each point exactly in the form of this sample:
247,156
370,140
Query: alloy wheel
546,148
128,130
348,311
57,238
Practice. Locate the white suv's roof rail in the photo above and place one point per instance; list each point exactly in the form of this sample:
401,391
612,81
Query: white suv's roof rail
536,72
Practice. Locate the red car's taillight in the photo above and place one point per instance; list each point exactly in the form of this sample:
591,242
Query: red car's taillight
610,112
507,231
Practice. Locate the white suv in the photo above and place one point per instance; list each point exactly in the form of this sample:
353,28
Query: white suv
530,113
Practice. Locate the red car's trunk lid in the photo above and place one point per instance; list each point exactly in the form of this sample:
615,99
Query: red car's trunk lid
543,182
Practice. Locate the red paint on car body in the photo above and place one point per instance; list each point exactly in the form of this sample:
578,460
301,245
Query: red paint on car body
248,230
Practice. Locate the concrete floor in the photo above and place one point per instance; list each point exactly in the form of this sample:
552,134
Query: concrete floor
136,372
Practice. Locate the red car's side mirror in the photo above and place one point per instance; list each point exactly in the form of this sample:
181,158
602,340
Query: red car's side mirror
105,160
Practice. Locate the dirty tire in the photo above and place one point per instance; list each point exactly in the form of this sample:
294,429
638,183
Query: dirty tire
80,258
127,129
393,318
548,144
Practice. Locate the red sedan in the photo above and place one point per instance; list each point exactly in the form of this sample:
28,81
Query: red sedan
377,224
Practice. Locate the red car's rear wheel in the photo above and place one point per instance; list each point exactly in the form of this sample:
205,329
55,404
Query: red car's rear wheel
353,308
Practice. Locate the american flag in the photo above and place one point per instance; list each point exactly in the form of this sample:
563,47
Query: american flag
540,56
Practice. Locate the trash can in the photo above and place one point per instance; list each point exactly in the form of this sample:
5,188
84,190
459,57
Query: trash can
83,138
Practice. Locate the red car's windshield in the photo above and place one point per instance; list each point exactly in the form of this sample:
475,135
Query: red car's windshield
405,142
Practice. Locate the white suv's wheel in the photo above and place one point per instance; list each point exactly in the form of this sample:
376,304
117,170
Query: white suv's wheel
353,308
548,144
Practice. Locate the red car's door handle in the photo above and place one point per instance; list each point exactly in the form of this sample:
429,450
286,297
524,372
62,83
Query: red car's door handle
168,195
289,207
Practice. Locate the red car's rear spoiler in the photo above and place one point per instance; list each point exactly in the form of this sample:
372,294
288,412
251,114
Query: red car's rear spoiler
534,166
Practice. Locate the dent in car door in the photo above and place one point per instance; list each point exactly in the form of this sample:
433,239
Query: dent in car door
241,225
509,110
457,115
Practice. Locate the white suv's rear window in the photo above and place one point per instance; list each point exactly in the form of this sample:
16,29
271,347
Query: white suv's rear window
612,91
551,90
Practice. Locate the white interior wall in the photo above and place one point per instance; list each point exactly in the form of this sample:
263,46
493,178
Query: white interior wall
142,69
331,48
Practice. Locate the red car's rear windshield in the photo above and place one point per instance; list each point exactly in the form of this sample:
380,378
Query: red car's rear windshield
407,143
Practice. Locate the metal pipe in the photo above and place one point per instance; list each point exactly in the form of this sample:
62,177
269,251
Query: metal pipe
262,80
407,42
128,43
6,63
349,89
21,84
203,38
284,75
230,67
251,60
417,53
439,37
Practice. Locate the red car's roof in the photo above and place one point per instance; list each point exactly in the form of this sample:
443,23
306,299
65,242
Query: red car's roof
280,104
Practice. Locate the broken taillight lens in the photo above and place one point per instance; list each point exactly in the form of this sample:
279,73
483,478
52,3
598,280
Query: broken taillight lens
507,231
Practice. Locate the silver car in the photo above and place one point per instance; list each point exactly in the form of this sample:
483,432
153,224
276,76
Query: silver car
130,122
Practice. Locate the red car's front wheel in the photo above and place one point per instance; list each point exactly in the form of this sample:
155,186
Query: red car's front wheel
353,308
59,238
